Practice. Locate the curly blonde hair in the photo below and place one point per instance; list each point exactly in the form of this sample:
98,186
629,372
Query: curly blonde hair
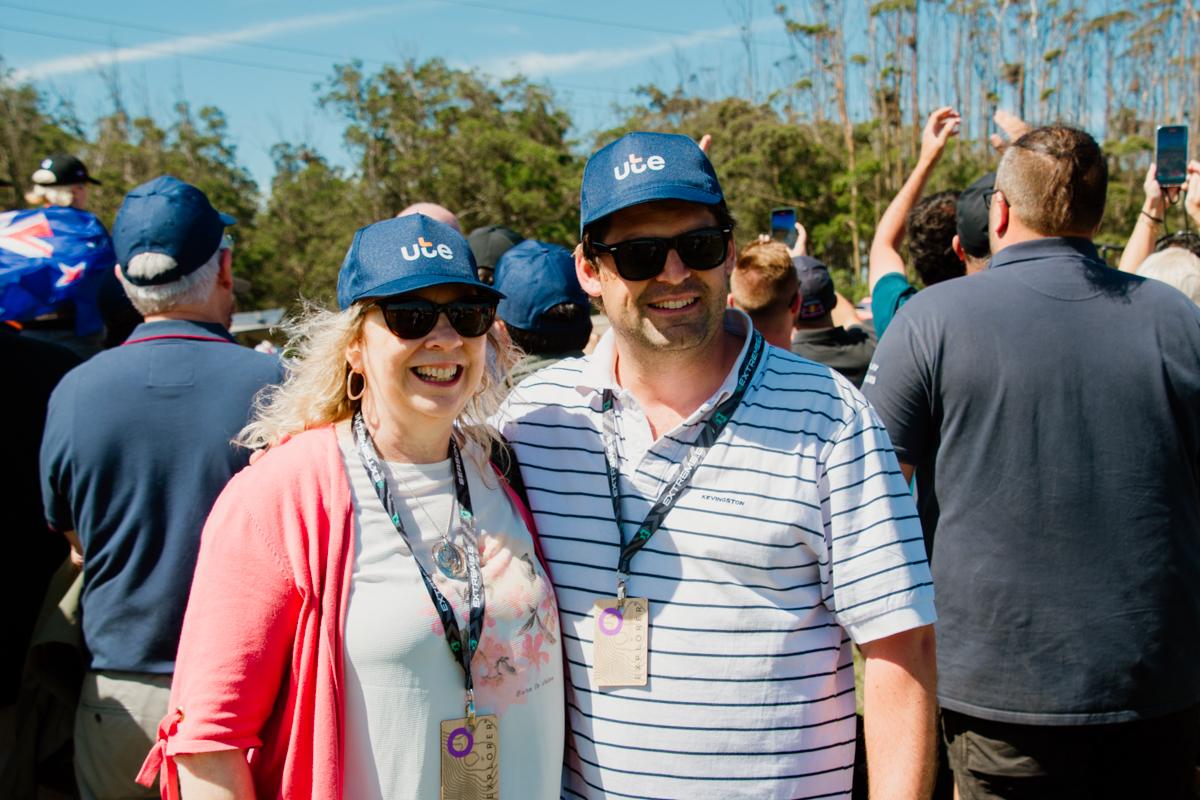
313,392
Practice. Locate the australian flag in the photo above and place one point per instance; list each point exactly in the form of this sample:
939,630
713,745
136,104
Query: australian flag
50,257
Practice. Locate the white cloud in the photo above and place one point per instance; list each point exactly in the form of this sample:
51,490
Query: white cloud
539,64
185,45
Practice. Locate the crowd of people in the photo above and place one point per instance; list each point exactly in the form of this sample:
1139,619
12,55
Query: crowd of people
635,520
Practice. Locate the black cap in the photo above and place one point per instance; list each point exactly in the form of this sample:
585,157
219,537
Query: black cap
817,295
971,217
489,243
62,170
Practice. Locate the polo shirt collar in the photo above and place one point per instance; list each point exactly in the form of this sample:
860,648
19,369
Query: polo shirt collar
180,329
600,371
1068,247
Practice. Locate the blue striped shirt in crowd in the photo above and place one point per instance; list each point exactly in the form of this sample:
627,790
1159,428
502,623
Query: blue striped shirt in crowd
795,536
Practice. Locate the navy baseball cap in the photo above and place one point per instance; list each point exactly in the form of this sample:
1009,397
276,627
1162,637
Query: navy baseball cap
404,254
641,167
971,217
817,295
536,276
170,217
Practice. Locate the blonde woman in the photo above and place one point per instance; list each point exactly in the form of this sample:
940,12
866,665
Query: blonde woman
369,616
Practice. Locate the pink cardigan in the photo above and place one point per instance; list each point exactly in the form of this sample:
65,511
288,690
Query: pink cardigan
260,657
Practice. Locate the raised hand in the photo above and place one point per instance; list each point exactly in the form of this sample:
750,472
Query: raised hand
941,125
1013,126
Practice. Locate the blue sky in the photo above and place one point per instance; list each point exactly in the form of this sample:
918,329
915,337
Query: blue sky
258,60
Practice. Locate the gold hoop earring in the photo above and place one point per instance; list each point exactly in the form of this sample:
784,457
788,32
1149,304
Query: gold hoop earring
350,395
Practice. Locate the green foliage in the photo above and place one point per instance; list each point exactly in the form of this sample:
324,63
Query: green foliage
427,132
500,152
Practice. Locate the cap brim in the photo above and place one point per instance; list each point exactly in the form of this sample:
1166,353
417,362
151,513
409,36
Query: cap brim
411,283
90,179
650,194
226,219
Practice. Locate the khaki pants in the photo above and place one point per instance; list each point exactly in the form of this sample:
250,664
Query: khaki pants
115,727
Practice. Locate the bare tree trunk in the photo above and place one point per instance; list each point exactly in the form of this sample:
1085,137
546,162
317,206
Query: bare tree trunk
837,53
913,78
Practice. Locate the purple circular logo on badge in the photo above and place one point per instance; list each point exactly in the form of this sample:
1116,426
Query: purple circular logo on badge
607,614
451,743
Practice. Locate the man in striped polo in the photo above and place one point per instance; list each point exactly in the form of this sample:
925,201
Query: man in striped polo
722,519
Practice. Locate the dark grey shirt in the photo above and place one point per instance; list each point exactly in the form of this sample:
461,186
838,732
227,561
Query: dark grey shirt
1056,401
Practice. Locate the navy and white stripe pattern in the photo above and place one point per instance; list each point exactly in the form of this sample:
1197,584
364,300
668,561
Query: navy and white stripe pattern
796,535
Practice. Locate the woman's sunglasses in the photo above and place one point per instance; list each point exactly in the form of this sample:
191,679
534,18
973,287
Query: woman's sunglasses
642,259
414,317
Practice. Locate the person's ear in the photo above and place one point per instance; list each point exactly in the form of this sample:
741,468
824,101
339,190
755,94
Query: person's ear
587,272
1001,215
794,307
354,352
225,272
958,249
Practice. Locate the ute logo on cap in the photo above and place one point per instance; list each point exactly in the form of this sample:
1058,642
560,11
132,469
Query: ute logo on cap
637,165
427,249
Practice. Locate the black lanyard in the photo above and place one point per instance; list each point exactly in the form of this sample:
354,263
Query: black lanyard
713,425
461,648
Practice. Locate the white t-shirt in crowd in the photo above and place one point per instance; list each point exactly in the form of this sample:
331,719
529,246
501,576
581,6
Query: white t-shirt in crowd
401,679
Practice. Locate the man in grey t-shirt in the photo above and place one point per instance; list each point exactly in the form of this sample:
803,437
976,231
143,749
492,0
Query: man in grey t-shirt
1051,409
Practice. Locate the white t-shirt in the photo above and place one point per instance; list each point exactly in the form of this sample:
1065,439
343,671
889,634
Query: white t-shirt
795,535
401,680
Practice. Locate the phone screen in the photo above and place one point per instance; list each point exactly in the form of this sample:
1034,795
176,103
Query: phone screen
783,225
1171,155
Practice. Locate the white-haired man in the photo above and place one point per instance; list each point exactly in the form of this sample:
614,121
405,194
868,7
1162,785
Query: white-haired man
136,448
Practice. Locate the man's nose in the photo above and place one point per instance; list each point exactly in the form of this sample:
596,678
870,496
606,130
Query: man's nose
674,270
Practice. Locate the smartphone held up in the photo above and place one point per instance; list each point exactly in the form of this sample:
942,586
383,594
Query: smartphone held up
1171,155
783,225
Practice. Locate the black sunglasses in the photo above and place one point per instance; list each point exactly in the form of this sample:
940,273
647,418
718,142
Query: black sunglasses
987,198
642,259
414,317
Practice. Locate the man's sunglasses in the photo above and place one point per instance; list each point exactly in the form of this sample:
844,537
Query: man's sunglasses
414,317
642,259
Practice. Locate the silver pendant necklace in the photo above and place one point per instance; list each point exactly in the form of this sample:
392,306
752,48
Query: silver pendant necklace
449,556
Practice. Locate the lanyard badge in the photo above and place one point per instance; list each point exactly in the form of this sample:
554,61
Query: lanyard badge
622,623
470,746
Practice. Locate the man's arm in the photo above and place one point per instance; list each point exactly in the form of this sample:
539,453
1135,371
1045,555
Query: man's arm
885,247
899,712
844,313
1148,225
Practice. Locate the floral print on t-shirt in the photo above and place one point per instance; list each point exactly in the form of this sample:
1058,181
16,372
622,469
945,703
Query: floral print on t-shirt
520,623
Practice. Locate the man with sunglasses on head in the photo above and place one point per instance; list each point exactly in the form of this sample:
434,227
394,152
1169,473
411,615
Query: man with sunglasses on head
721,519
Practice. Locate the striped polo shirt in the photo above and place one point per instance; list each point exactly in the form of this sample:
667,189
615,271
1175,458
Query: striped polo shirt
795,536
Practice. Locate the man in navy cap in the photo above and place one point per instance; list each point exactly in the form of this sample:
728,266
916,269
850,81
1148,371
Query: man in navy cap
136,449
722,519
544,310
817,336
